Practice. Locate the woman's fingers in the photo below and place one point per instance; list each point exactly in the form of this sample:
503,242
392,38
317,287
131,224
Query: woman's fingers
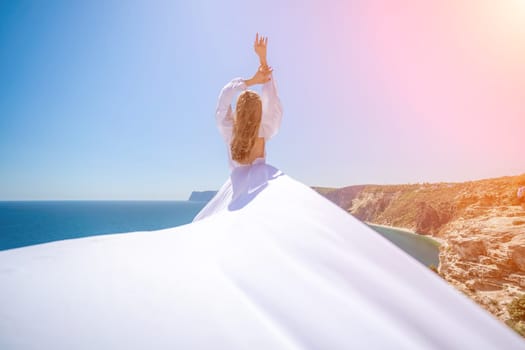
263,74
267,75
261,40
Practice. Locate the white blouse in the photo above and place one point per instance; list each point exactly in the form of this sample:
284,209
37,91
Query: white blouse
271,114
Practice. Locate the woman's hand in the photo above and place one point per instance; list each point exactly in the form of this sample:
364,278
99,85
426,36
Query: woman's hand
262,76
259,46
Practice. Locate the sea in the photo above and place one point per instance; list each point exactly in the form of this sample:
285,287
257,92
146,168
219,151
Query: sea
24,223
421,247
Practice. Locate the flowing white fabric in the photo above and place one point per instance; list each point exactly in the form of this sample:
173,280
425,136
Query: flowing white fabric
272,265
268,263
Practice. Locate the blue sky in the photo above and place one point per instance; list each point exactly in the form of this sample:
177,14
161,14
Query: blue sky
115,100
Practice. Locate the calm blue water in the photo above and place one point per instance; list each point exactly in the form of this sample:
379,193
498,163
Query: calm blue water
422,248
32,222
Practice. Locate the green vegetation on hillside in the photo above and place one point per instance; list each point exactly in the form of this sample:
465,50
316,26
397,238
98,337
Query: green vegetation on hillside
517,315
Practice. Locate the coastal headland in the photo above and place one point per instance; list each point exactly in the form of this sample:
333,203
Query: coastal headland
480,226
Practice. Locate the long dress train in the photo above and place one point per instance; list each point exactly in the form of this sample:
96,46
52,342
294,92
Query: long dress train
267,264
278,267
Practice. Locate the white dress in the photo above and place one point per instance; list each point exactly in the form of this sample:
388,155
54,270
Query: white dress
244,178
283,268
277,266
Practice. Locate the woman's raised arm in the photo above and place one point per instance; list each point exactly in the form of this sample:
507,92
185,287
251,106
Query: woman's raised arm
272,108
223,112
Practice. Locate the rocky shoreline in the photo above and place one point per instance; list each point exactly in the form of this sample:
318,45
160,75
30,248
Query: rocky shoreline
480,225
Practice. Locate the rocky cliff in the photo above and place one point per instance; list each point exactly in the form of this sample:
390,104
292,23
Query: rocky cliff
480,225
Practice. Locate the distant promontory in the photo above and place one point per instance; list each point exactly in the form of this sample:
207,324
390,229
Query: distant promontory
202,196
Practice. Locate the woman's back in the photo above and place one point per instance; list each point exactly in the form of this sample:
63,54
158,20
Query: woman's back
269,124
258,151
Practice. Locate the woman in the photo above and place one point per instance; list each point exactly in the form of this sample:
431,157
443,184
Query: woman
291,270
256,120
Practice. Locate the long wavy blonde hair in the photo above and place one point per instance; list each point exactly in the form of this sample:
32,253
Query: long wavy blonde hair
248,114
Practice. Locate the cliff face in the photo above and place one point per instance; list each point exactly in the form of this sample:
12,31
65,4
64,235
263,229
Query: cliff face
481,225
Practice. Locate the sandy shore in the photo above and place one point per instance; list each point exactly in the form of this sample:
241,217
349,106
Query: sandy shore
437,239
393,227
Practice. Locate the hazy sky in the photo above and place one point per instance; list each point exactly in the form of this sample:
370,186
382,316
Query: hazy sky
116,100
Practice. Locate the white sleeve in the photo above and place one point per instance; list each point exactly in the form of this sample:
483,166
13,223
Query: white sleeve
224,112
272,111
